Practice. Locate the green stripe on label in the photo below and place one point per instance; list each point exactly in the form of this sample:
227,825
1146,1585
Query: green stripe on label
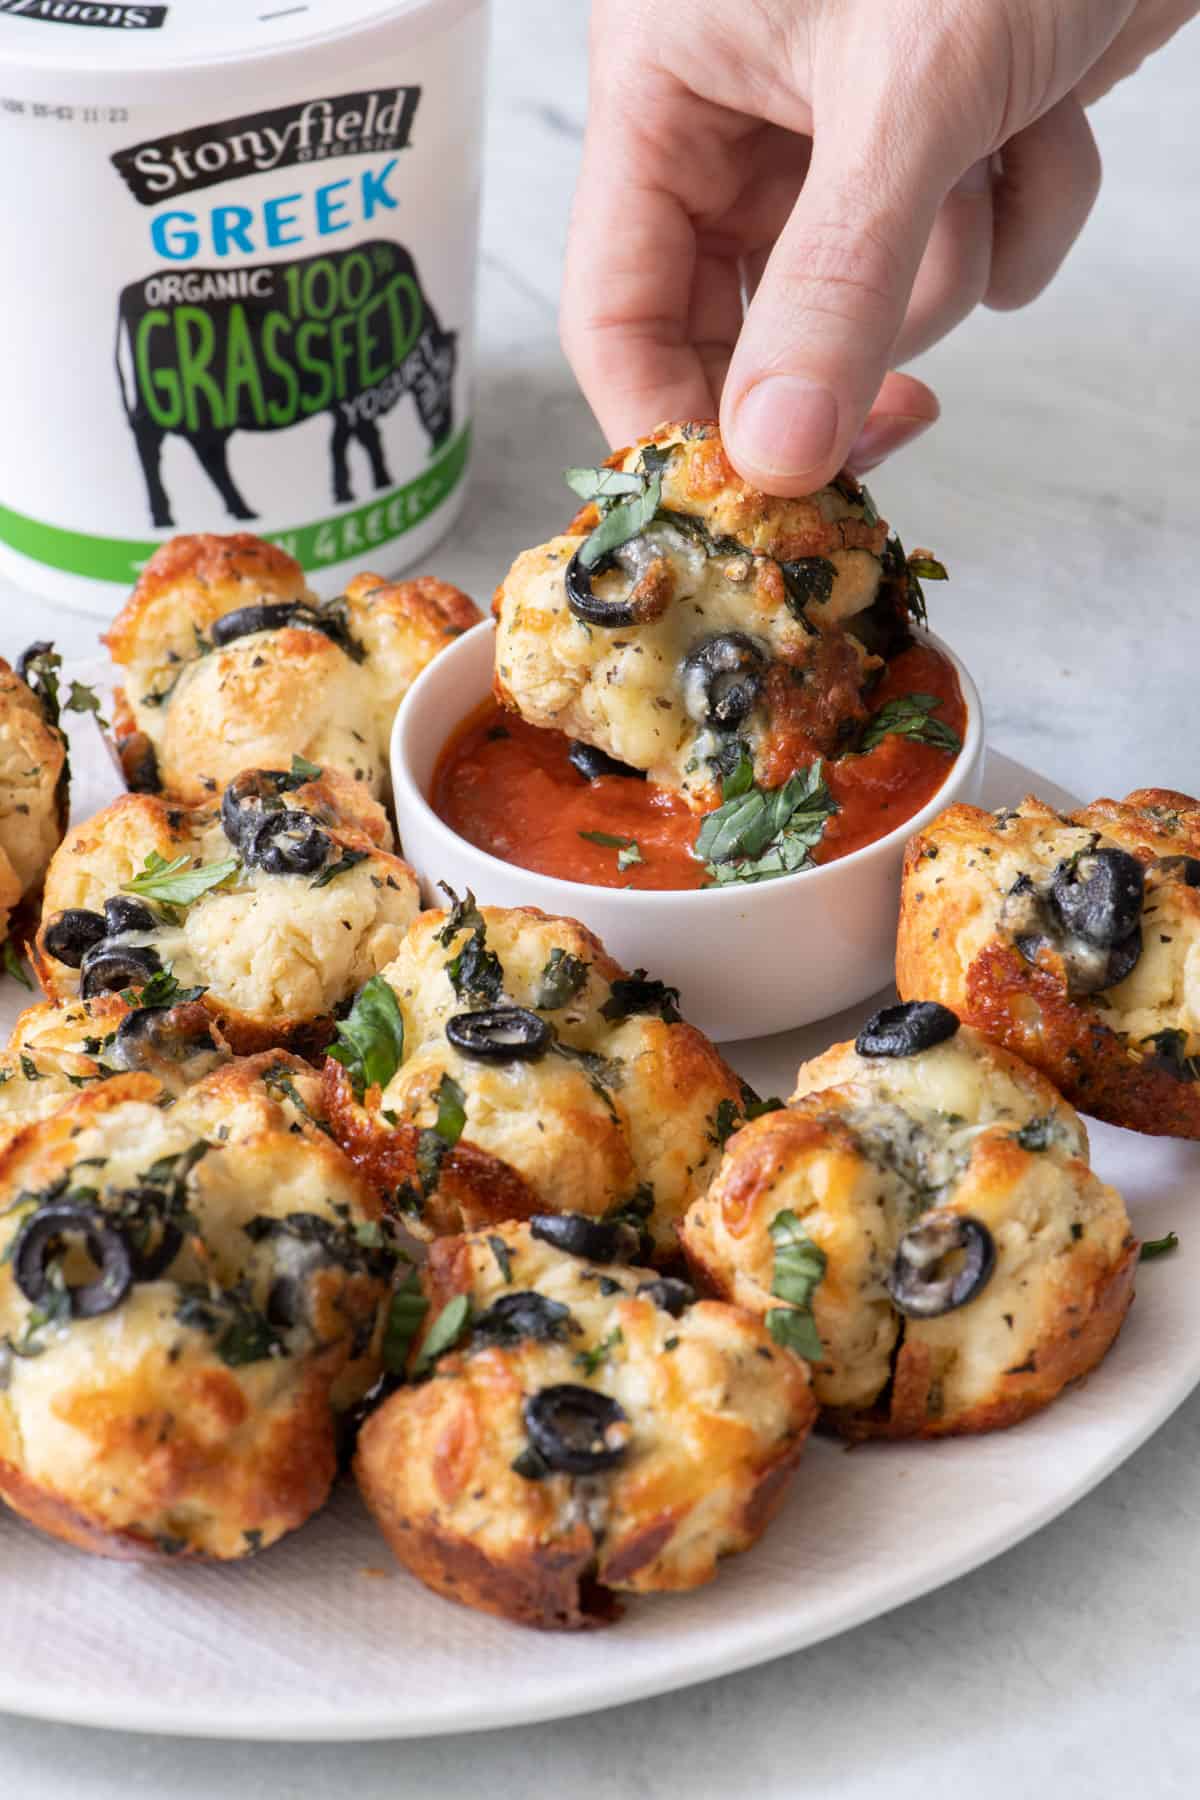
332,540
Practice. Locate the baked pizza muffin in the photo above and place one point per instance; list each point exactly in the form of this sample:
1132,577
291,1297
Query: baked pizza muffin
230,663
33,778
921,1222
721,618
578,1428
63,1046
1074,938
272,904
505,1065
188,1294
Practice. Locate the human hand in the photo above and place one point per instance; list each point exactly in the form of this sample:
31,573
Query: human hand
866,170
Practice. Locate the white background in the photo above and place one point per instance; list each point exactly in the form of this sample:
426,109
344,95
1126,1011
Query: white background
1061,490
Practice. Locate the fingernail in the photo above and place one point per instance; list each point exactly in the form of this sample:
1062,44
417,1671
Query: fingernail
784,426
880,438
977,180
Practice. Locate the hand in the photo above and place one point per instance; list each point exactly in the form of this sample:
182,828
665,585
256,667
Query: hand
866,170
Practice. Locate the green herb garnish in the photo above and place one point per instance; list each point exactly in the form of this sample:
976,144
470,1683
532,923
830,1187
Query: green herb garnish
444,1333
306,770
627,502
14,966
475,972
241,1332
177,883
349,859
1162,1246
560,980
499,1250
1035,1134
628,850
799,1269
909,715
590,1360
370,1039
760,833
84,699
639,993
405,1316
161,991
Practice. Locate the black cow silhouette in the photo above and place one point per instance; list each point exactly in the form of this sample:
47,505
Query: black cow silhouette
179,371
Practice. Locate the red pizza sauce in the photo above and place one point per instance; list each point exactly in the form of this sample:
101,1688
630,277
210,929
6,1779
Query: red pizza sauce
507,787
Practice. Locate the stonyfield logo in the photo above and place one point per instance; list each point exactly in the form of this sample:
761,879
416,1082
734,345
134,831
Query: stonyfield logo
347,125
78,12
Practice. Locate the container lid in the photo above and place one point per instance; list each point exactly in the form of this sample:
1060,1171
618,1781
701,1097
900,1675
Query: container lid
91,48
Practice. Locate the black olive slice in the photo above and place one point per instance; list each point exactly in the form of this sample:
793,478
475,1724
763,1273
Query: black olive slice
124,913
670,1294
907,1029
109,967
152,1240
500,1034
248,619
722,679
598,1240
1123,958
246,798
587,605
1099,896
1183,868
517,1318
70,936
593,763
576,1430
287,842
920,1284
41,1237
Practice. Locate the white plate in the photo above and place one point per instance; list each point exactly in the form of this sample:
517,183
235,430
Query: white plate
323,1637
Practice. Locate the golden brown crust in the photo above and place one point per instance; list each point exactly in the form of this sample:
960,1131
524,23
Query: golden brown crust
713,1419
868,1148
136,1432
33,799
1099,1050
276,953
215,572
620,1110
711,562
194,712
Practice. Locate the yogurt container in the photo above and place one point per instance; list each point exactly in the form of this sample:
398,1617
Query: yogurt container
239,244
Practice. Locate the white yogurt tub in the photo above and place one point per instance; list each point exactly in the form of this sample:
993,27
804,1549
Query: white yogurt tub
239,246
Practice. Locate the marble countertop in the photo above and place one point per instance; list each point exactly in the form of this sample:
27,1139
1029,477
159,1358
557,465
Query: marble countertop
1059,489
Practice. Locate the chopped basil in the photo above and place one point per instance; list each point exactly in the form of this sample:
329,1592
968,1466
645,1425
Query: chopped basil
807,579
638,993
760,833
14,966
29,1068
278,1079
161,991
405,1316
499,1250
444,1333
603,1072
1035,1134
724,1122
241,1332
452,1111
628,850
799,1269
464,915
590,1360
1162,1246
636,1211
84,699
476,972
560,980
370,1039
177,883
306,770
1170,1046
349,859
627,502
909,715
927,567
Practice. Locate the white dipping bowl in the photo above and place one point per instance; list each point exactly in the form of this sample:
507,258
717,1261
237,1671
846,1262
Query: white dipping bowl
747,960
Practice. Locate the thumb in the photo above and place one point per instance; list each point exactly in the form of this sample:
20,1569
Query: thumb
818,336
